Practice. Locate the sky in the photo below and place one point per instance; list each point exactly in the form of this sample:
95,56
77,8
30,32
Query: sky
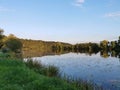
72,21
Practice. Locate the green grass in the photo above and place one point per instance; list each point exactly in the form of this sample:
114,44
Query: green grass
80,84
15,75
50,71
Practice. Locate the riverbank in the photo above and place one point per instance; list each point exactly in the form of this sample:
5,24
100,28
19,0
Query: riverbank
18,75
15,75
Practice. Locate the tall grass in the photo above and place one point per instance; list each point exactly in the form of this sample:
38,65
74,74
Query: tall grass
33,75
10,55
81,84
15,75
50,71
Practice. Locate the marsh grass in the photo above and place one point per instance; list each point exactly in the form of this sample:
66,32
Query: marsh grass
50,71
81,84
15,75
10,56
33,64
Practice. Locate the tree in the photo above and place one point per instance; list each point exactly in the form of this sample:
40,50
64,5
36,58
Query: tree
1,37
119,41
104,44
13,43
113,45
1,33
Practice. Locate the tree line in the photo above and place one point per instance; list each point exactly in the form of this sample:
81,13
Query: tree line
9,43
110,45
39,47
91,47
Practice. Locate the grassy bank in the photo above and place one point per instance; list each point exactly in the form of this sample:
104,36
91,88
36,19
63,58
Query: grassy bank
18,75
15,75
52,71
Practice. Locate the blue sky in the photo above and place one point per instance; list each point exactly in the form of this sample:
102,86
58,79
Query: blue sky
71,21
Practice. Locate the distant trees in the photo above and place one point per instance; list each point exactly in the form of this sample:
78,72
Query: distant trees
36,47
1,33
104,45
109,46
119,41
1,37
86,47
15,44
59,47
113,45
82,47
12,43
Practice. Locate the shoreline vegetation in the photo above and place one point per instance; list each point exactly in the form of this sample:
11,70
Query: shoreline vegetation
40,48
33,48
16,74
53,71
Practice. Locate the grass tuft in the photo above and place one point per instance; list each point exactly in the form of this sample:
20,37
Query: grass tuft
50,71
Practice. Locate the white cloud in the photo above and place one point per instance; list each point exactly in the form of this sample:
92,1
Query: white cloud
113,14
3,9
79,3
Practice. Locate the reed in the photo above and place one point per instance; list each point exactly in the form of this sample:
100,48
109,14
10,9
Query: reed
50,71
80,84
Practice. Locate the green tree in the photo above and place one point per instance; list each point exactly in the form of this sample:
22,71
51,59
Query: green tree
119,41
13,43
113,45
1,37
1,33
104,45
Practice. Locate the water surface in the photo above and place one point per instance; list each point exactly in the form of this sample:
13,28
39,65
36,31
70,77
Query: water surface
102,71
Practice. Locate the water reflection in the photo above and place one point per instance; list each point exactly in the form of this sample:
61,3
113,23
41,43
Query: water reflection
107,54
91,67
104,54
100,67
28,54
